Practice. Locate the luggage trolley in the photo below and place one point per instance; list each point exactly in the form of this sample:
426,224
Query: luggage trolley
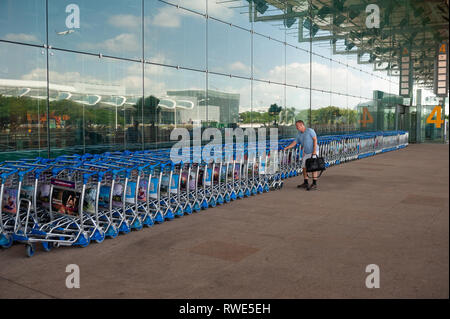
9,205
134,180
120,195
70,223
27,216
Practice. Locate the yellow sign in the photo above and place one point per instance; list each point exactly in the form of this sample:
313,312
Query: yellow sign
442,48
366,117
438,121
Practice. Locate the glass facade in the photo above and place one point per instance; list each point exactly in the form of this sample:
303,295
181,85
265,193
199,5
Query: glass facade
90,76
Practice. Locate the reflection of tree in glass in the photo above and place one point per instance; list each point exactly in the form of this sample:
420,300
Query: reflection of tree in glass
274,110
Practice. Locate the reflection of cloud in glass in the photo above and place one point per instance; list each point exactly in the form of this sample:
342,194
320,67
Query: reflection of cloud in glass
167,17
21,37
239,66
127,21
125,42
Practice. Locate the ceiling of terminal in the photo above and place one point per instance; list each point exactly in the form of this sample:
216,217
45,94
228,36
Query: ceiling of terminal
418,26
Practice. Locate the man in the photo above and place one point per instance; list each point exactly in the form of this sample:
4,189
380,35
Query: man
307,138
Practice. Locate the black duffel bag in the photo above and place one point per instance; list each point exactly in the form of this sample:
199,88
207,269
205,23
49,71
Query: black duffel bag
315,164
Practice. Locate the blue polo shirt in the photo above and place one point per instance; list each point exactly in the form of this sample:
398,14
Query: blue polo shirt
306,140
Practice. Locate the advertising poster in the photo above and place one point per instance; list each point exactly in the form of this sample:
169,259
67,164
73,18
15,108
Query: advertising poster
65,201
103,198
89,200
10,200
26,192
142,190
165,184
117,195
131,192
44,195
174,183
153,192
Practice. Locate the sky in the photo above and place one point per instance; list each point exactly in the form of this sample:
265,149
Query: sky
177,37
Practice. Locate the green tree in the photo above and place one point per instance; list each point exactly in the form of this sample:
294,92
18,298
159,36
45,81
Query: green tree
274,110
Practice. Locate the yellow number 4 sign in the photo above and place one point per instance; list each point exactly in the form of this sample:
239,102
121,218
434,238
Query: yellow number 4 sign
366,117
438,121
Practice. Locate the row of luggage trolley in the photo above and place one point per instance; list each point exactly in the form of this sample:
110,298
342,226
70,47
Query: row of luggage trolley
74,200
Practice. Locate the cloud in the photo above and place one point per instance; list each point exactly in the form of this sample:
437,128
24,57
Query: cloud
170,16
239,66
21,37
167,17
127,21
125,42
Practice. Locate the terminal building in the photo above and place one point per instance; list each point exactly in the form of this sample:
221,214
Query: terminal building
75,76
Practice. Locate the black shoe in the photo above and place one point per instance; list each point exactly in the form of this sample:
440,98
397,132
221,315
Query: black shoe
304,185
312,187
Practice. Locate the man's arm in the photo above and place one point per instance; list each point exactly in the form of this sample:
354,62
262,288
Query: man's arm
314,144
293,144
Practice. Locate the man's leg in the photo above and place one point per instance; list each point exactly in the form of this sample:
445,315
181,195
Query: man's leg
305,176
314,183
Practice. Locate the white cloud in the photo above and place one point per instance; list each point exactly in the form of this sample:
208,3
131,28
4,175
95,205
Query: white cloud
239,66
21,37
127,21
125,42
167,17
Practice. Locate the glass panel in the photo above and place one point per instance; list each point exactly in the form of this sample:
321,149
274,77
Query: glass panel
194,5
94,104
227,98
23,21
223,55
264,95
266,18
108,27
173,98
268,59
297,108
235,12
352,114
322,116
23,101
321,68
174,36
297,67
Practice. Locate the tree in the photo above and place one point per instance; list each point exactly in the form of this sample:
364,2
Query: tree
287,115
152,111
274,110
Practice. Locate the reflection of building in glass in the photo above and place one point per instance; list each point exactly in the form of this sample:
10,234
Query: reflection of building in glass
66,90
382,113
83,93
220,107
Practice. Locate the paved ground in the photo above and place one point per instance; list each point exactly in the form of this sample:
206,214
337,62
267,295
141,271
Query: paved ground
391,210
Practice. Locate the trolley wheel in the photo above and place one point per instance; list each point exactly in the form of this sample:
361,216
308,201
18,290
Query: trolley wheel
159,219
112,232
84,240
148,221
99,236
30,249
47,245
137,225
7,243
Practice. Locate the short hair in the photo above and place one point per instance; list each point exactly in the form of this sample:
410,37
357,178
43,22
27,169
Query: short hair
299,121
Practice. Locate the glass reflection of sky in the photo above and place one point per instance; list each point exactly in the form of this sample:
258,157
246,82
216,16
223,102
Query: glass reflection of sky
175,37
